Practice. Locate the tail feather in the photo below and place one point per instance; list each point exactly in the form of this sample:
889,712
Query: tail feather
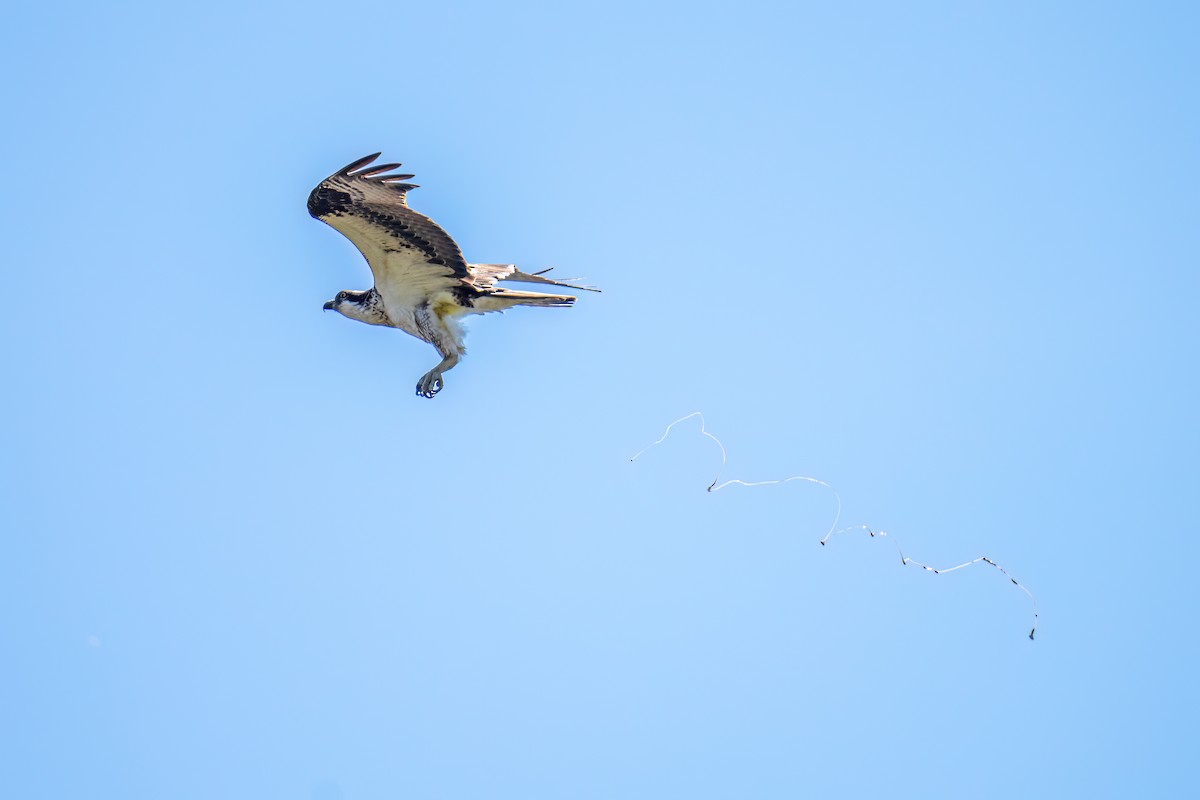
490,274
500,299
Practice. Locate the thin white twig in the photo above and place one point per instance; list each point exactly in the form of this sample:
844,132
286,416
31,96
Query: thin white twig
904,560
667,433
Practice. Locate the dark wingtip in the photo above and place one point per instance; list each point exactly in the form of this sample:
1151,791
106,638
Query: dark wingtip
376,174
366,173
362,162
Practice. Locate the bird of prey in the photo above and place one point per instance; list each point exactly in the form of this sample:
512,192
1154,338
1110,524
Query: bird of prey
423,286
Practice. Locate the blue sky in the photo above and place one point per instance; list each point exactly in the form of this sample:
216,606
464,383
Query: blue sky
941,256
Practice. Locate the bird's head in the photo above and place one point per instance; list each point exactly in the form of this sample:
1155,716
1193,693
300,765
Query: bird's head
362,306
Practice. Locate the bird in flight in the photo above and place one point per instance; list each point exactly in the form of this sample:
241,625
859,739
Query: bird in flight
423,286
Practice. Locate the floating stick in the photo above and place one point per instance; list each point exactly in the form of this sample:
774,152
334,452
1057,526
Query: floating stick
904,560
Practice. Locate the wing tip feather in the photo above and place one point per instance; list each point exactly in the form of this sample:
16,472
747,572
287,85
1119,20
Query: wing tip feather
361,170
362,162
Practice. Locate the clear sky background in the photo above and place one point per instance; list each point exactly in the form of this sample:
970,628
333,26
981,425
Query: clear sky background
942,256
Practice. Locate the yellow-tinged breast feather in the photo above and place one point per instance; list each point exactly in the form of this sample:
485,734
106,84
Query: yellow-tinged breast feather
444,306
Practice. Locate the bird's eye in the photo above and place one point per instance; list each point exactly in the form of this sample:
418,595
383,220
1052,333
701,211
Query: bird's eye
342,295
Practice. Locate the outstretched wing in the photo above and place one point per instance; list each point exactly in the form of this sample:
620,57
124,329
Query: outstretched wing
409,254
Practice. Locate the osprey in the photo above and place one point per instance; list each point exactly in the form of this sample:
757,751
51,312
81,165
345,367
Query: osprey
423,286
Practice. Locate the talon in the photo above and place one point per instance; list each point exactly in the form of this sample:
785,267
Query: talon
429,385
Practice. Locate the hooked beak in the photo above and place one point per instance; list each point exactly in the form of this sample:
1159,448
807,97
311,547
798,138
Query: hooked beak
328,306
